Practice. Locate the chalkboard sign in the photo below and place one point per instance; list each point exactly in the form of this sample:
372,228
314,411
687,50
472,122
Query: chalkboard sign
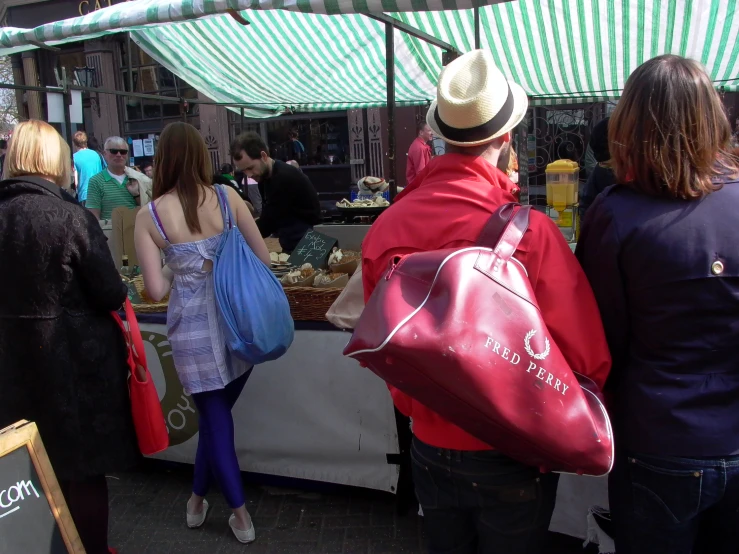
314,249
33,514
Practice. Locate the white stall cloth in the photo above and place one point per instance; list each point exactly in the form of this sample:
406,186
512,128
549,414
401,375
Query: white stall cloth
312,414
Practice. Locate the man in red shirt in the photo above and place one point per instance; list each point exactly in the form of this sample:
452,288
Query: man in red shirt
474,498
419,154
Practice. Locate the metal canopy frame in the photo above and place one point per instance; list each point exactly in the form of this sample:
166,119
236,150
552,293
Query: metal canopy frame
410,30
449,53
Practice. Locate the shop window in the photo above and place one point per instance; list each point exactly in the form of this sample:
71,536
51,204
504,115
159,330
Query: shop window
170,109
133,109
69,61
152,109
149,77
309,141
167,79
236,127
319,141
144,58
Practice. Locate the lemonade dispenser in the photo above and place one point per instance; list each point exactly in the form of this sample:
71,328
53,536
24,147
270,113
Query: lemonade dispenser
562,183
562,194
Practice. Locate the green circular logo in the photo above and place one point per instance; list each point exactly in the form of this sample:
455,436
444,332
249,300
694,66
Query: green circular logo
179,409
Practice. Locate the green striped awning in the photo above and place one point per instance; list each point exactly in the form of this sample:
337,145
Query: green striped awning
567,50
136,13
560,51
286,60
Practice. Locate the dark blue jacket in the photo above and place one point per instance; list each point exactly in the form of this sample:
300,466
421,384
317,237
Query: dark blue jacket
666,277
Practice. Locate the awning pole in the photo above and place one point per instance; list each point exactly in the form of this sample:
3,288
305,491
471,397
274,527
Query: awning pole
241,124
408,29
67,109
130,64
390,68
477,28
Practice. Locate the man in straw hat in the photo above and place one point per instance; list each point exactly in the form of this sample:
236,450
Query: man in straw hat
474,498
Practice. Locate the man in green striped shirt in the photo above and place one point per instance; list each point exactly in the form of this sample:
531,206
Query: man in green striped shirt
110,189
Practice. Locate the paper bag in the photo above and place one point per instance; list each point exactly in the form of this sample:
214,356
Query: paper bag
347,308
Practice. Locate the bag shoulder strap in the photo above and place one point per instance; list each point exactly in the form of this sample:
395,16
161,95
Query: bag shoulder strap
490,263
513,233
135,333
495,226
225,207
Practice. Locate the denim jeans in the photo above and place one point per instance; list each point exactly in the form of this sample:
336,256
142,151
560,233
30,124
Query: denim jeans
481,502
668,505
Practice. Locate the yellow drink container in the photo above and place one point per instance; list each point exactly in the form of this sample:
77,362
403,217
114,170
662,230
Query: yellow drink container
562,184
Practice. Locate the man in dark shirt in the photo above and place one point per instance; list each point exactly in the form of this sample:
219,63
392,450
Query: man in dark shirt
290,205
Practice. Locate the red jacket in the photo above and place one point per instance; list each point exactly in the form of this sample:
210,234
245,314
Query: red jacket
419,155
447,206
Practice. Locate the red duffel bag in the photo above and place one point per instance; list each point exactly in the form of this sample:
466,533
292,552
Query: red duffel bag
461,332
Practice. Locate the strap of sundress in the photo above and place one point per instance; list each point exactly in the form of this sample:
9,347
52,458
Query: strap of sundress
225,207
157,221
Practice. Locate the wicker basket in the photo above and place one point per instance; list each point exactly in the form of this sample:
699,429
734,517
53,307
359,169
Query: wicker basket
309,303
148,307
306,303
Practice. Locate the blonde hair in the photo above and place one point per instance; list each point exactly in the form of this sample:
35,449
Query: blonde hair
80,139
37,149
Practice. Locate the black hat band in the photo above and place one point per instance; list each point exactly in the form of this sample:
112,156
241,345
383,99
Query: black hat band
481,132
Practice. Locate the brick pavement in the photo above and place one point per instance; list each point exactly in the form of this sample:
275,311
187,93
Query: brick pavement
148,517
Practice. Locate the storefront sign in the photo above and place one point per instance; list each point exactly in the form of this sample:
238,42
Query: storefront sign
138,148
89,6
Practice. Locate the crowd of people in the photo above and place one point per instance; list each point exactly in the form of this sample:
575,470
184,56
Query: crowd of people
646,307
104,182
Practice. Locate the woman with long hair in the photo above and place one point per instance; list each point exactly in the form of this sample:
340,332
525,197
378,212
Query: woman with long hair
62,356
660,250
185,222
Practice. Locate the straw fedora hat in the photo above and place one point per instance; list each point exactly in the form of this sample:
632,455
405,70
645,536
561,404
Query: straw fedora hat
475,104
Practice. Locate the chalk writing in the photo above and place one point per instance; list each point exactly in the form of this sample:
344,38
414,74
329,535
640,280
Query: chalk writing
14,494
314,248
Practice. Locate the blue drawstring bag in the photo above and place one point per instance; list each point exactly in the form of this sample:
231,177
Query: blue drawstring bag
254,311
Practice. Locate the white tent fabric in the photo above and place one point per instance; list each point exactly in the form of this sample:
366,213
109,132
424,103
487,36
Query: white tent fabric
295,58
286,60
564,50
126,15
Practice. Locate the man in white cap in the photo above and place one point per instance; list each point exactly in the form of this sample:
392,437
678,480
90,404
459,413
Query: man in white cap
474,498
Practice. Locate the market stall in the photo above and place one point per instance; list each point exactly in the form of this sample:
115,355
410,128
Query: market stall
309,415
312,414
334,422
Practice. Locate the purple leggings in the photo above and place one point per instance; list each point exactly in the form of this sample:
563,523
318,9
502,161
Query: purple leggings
216,449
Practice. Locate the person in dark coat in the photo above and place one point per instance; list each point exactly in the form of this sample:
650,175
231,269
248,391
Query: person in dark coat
660,251
62,356
601,177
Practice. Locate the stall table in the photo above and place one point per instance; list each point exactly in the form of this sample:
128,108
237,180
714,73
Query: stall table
312,414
